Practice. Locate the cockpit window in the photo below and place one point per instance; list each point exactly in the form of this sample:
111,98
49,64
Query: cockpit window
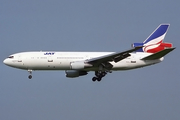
11,57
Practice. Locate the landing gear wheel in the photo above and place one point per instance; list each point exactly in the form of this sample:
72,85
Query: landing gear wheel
94,79
30,76
99,79
99,75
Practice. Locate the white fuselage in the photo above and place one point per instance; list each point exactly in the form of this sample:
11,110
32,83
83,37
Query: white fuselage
62,60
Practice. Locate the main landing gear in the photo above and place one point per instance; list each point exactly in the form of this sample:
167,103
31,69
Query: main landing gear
99,75
30,72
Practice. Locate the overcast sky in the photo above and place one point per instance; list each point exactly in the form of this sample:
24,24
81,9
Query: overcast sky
150,93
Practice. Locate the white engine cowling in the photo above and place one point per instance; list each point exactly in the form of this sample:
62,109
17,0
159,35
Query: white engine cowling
79,65
75,73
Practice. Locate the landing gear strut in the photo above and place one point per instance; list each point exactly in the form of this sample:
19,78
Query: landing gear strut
30,72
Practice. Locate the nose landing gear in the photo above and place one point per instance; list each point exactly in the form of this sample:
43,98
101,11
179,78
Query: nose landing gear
30,72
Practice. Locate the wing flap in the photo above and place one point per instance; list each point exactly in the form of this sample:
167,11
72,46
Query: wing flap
158,55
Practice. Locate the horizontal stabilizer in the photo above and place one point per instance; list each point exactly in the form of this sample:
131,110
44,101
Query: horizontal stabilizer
158,55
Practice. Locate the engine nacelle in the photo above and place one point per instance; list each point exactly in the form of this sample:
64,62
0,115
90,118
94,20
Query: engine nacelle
75,73
79,65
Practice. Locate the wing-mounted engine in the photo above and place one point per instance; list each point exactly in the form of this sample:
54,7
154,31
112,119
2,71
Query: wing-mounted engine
79,65
75,73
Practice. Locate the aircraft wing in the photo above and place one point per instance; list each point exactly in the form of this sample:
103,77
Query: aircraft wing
116,57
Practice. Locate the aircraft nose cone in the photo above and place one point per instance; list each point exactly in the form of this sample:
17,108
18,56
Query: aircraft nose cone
6,62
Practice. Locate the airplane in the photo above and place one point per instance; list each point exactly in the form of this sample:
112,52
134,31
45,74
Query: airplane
76,64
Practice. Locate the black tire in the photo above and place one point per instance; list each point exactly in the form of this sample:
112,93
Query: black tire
99,79
94,79
30,76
